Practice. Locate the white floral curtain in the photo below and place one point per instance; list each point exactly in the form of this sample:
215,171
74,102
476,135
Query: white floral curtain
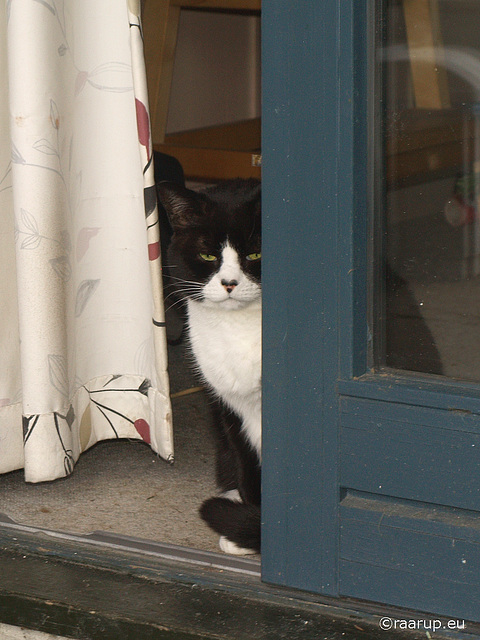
82,337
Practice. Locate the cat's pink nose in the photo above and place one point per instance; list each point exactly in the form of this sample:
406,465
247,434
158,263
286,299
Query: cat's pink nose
229,285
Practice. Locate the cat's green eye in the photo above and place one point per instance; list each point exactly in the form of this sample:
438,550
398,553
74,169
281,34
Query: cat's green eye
208,257
254,256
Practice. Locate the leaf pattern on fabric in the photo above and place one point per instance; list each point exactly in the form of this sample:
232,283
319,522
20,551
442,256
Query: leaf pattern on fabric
151,210
66,243
154,250
7,173
57,372
80,81
83,240
47,5
85,291
143,429
112,379
104,400
53,144
61,424
31,241
29,221
143,125
68,461
46,147
105,73
28,423
102,78
17,157
85,429
62,267
54,115
32,237
117,402
144,387
70,417
150,200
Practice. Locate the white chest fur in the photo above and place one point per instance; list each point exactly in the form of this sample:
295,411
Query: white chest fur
226,344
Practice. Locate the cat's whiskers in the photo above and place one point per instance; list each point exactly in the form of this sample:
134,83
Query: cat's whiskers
183,280
169,286
174,304
185,292
172,293
189,293
184,286
180,301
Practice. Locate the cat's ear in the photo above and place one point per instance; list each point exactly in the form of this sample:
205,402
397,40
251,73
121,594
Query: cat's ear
255,195
180,203
256,189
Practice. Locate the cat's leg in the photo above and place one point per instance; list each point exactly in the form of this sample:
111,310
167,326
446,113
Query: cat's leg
237,523
227,546
235,514
226,459
242,459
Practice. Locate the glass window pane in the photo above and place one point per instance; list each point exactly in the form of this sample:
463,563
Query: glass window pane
429,62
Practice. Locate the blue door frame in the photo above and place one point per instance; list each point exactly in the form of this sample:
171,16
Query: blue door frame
371,482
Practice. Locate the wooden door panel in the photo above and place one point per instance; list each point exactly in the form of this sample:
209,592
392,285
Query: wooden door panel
416,453
399,551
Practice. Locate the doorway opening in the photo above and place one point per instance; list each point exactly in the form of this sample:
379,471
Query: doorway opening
121,487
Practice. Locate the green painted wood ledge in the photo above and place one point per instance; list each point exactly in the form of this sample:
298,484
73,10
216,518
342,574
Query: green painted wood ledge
87,591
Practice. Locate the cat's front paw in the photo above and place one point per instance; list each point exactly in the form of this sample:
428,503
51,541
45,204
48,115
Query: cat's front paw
227,546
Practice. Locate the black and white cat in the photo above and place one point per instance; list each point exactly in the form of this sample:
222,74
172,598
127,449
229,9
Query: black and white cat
216,250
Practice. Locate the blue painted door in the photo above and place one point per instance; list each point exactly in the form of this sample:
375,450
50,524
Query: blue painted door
371,471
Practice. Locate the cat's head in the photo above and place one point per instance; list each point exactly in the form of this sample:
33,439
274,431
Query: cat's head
215,252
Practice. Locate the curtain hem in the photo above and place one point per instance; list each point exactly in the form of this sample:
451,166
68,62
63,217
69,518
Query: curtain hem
108,407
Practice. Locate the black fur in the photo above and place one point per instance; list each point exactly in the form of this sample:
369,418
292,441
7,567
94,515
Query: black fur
168,168
237,467
201,223
237,521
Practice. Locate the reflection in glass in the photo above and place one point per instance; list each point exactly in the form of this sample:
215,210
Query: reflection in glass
429,57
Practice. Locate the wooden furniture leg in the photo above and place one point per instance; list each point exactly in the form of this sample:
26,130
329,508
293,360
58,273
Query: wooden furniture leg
160,28
218,152
426,54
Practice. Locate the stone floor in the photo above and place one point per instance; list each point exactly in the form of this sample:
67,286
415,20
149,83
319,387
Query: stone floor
7,632
123,487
